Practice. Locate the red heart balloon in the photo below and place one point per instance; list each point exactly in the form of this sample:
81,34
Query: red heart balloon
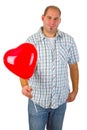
21,60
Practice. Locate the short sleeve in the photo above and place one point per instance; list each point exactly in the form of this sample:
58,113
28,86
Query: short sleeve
73,53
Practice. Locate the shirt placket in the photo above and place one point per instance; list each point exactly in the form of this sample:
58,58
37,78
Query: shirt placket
54,72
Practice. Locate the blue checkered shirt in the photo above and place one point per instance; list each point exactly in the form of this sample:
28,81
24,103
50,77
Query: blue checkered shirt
50,84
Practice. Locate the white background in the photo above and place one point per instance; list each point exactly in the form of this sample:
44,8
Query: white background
18,20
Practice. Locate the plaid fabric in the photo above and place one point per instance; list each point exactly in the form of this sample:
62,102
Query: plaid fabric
50,81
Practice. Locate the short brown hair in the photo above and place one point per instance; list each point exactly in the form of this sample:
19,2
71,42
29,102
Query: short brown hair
53,7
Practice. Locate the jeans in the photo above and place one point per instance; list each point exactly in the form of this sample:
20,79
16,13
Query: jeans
40,117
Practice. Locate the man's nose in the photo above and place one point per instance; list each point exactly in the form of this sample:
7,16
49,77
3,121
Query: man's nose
52,21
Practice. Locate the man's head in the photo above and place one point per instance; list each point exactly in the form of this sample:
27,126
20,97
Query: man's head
51,20
52,7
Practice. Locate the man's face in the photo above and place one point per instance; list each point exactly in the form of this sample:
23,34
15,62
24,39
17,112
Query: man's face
51,21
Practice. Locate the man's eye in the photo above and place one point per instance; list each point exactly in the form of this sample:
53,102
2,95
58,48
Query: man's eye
56,19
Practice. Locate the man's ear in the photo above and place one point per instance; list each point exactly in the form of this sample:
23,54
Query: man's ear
42,17
60,21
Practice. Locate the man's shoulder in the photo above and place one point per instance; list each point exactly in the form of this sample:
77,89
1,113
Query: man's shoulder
66,39
34,37
64,34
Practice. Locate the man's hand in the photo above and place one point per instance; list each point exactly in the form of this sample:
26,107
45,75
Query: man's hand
71,97
74,74
26,90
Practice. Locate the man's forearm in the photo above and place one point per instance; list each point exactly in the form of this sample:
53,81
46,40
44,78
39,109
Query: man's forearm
74,73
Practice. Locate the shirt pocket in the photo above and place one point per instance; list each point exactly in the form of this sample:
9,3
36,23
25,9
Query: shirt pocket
62,54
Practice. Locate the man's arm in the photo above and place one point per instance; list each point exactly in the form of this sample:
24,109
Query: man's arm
26,89
74,74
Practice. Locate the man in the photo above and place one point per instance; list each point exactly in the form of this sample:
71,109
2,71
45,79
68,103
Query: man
48,89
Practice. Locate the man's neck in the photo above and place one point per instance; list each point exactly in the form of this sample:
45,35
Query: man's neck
49,35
